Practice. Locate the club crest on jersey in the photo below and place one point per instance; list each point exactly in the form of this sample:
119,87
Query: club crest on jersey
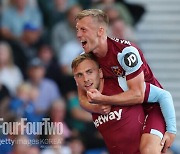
117,71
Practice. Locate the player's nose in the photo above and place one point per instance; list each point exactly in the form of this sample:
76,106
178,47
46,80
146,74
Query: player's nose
86,78
79,34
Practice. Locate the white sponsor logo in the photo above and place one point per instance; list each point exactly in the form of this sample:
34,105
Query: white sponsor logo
125,42
121,41
105,118
131,59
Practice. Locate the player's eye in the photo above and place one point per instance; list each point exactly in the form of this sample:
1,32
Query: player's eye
79,75
89,72
83,29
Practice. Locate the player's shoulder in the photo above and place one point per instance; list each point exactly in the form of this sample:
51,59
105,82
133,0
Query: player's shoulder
129,57
121,42
124,46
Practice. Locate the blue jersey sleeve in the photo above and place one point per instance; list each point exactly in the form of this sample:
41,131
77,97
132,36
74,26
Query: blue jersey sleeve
165,101
130,60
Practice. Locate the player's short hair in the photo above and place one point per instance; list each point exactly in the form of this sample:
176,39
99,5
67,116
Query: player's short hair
97,14
81,58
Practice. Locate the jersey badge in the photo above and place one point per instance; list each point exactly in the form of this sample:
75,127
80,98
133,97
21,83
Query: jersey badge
117,71
130,59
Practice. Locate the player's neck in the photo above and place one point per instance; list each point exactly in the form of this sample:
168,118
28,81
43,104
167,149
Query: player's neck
102,49
101,85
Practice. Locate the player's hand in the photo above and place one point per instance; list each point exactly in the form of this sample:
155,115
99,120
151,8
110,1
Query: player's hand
94,96
104,109
167,141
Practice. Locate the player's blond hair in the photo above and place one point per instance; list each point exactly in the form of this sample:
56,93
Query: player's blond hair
81,58
100,16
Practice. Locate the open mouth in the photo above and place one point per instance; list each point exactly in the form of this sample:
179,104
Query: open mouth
88,85
83,43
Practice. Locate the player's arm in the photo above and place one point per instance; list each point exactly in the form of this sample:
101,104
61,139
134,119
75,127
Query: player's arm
165,101
131,62
93,108
134,94
132,83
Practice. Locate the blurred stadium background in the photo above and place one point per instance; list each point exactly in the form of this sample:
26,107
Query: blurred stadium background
158,35
46,31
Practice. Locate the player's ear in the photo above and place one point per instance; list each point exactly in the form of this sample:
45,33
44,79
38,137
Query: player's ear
100,31
76,82
100,73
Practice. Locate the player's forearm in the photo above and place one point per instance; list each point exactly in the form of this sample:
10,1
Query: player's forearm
85,104
81,115
130,97
134,94
165,100
92,108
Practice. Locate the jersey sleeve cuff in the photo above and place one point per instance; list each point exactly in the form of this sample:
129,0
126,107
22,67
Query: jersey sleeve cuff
134,74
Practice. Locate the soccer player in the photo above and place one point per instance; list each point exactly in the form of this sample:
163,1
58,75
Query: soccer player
122,62
89,76
121,128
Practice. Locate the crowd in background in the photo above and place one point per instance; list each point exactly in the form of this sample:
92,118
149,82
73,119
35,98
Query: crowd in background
37,45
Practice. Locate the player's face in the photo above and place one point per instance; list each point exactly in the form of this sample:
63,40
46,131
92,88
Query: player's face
87,75
87,33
